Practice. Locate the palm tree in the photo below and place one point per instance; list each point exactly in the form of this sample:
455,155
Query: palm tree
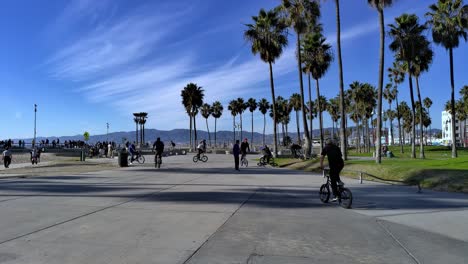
241,107
390,94
142,123
311,114
192,99
321,104
263,106
252,104
404,112
136,119
397,75
343,137
380,5
217,112
233,108
319,56
206,111
408,38
268,37
449,21
333,108
421,64
302,16
427,102
295,101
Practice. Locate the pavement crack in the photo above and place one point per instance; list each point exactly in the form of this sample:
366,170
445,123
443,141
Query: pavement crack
379,222
221,226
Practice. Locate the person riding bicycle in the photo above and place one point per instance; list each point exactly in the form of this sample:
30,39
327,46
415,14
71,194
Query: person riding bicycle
158,146
133,152
266,154
201,148
244,147
335,162
294,150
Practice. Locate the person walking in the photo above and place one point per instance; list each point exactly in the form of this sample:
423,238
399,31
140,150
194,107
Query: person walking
110,151
236,152
7,156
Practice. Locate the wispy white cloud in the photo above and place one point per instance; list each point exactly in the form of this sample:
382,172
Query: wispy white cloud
108,64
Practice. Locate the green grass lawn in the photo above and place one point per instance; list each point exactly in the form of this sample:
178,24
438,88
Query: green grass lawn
438,171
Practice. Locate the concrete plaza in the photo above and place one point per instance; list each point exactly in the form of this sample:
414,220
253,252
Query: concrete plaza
206,213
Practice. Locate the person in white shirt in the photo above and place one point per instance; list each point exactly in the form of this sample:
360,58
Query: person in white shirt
7,156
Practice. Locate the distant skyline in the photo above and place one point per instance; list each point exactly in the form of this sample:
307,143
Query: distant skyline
87,63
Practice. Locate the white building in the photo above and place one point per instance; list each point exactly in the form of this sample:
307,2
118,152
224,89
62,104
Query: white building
460,129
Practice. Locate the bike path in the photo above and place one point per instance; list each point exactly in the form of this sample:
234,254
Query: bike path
210,213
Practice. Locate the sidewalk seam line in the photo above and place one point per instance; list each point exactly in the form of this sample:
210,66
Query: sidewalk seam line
221,226
398,241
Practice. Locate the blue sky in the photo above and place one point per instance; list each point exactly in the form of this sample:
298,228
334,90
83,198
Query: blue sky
86,63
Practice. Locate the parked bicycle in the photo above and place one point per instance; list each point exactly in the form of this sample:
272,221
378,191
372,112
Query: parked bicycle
345,197
137,157
202,157
263,162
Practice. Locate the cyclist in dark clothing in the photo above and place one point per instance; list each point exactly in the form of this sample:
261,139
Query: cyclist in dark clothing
244,147
335,162
158,146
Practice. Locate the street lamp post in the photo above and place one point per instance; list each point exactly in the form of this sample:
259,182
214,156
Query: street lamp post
35,114
107,135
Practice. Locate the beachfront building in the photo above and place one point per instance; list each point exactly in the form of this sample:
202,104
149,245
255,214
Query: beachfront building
460,130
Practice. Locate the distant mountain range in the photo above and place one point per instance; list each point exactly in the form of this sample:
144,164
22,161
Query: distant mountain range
181,136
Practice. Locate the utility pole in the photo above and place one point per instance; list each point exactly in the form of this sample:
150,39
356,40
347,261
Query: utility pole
35,113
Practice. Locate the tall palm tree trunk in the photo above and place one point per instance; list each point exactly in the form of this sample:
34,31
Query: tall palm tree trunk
234,129
191,141
311,117
208,129
272,85
308,145
319,111
298,132
399,125
240,116
251,137
195,129
421,127
215,133
413,118
452,106
340,70
141,134
264,126
358,137
136,133
378,147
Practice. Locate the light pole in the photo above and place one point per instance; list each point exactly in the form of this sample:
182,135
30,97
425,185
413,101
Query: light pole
35,113
107,135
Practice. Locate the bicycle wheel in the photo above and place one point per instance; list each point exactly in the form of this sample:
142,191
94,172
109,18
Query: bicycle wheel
141,159
195,158
346,198
324,193
261,162
204,158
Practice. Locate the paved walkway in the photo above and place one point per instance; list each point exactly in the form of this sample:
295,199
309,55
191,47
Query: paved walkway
208,213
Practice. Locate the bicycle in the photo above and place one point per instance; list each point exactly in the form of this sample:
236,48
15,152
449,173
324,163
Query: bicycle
262,162
137,157
345,197
244,162
157,160
202,157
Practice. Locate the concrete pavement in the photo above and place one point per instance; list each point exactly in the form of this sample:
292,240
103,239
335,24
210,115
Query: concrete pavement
209,213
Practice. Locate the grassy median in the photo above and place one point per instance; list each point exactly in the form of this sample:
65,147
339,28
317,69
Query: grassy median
437,171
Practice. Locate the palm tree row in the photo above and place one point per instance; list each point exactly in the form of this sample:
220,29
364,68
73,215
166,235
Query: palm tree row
413,55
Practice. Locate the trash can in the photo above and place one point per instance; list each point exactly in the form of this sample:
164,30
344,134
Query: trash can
123,158
82,155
